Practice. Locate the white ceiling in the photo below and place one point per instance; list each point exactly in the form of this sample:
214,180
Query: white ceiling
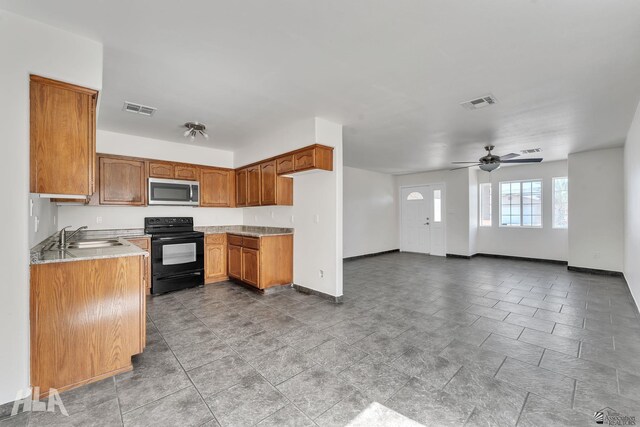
566,72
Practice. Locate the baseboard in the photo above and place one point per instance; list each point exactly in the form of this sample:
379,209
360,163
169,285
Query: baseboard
322,295
595,271
353,258
459,256
521,258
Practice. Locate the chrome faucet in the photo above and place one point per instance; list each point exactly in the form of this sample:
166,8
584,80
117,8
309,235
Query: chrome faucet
63,237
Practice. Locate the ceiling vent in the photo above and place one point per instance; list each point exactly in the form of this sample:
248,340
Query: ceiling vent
138,109
531,151
478,103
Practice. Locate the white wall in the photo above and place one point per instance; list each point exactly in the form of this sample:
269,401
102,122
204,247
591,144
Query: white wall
544,243
457,204
137,146
26,47
370,212
43,213
133,217
317,209
632,207
596,205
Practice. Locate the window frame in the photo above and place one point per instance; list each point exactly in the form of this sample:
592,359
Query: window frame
521,226
490,185
553,203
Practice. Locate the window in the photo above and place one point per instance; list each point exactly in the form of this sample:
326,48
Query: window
437,206
560,202
485,205
521,204
415,196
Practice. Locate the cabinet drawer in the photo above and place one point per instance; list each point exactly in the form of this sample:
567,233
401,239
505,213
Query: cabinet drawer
284,164
235,240
188,173
304,160
160,170
251,242
214,239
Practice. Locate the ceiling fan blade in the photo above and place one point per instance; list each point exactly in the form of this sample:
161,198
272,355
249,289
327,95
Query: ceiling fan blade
456,163
532,160
465,167
509,156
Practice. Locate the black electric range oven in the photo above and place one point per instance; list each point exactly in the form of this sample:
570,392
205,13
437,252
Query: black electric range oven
177,254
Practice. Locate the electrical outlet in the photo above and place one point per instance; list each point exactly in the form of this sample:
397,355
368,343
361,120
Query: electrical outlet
317,219
255,218
55,220
98,220
30,207
292,219
36,223
273,214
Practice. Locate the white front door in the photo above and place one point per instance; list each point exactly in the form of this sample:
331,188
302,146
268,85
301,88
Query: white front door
416,217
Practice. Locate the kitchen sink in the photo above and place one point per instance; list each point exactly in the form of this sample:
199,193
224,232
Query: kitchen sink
94,244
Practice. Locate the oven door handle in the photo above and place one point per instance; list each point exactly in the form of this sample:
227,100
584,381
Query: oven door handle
187,239
179,276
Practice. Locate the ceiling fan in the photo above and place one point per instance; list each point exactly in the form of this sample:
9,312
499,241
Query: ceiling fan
491,162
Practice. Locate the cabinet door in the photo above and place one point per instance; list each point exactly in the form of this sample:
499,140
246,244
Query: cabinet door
241,187
251,266
188,173
285,191
215,258
161,170
268,183
216,187
122,182
284,164
304,159
62,136
253,185
145,244
235,261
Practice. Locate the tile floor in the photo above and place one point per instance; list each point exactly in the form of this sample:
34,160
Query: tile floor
441,341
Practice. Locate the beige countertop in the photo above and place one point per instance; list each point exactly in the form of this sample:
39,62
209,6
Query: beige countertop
38,256
245,230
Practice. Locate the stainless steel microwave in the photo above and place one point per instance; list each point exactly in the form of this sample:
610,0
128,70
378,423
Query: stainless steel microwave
173,192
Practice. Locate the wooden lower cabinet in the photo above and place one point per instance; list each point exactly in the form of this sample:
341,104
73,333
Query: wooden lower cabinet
215,258
261,262
235,261
85,326
144,243
251,266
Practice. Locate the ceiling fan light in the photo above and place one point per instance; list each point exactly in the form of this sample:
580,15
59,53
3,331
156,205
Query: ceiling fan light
488,167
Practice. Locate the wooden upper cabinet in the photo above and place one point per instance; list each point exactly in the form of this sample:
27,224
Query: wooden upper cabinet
161,170
268,178
122,181
62,137
241,187
314,157
217,187
284,164
186,172
253,185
